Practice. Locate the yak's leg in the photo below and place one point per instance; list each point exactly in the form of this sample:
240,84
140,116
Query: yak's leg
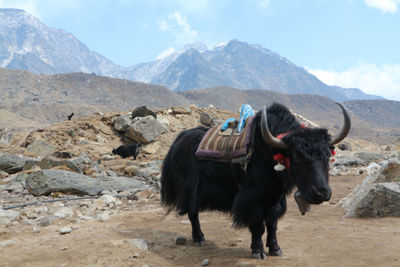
272,241
257,247
197,234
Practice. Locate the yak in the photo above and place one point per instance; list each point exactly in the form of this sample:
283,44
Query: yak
127,150
255,196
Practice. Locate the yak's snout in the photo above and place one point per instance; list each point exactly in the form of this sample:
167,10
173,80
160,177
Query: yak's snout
319,194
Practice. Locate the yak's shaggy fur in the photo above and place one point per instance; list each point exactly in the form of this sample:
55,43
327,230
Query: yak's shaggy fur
255,199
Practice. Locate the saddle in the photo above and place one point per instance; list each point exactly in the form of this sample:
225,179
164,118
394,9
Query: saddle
226,146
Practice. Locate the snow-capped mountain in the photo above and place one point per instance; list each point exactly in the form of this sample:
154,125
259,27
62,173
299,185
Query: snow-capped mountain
28,44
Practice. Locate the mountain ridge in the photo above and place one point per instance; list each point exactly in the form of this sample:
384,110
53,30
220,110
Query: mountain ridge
28,44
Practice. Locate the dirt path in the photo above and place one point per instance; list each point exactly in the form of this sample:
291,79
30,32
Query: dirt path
320,238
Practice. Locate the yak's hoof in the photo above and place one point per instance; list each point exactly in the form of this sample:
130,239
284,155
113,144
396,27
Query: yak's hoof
259,255
277,252
198,243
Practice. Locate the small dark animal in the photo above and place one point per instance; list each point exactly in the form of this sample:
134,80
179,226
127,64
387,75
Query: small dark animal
256,198
127,150
70,116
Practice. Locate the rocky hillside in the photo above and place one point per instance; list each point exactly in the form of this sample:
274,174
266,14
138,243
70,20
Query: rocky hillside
44,99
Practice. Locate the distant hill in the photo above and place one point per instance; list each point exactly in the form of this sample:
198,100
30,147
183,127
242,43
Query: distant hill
50,98
377,120
28,44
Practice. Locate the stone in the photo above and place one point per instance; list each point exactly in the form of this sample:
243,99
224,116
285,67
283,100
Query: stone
46,221
140,243
146,129
6,136
180,111
102,217
345,146
348,160
3,174
45,182
64,213
180,240
377,196
368,156
8,216
13,163
205,262
122,122
40,148
151,148
206,119
143,111
65,230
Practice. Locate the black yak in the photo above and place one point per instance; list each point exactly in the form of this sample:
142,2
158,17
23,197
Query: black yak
126,151
255,196
70,116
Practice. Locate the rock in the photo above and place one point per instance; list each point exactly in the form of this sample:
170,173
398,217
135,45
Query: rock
345,146
45,182
13,163
79,164
144,130
143,112
102,217
64,213
40,148
46,221
368,156
180,110
8,216
151,148
205,262
62,154
65,230
5,136
180,240
206,119
140,243
377,196
106,200
122,122
348,160
373,168
3,174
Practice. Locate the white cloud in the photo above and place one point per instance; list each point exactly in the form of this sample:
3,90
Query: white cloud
389,6
166,52
177,24
383,80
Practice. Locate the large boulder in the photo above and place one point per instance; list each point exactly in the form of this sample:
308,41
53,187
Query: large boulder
5,136
143,112
121,123
146,129
40,148
81,164
377,196
45,182
13,163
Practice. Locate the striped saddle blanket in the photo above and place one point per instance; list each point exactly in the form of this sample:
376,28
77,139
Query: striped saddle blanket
221,145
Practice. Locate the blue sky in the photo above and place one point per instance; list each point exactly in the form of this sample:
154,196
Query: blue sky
350,43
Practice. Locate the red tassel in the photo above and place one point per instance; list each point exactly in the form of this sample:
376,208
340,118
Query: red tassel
333,152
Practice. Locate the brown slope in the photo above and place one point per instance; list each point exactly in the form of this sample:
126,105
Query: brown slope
47,99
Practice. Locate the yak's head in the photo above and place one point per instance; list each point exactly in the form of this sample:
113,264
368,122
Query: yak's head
308,150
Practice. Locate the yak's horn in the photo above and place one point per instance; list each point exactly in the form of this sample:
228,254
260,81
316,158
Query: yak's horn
268,138
345,129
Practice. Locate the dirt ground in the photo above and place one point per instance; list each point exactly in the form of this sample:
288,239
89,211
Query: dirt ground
320,238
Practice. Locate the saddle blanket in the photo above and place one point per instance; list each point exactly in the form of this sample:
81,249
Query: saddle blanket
222,145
